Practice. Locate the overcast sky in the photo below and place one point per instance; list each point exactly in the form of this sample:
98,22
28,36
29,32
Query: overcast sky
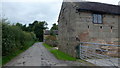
26,11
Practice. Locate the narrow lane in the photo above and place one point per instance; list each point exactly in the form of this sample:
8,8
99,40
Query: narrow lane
37,55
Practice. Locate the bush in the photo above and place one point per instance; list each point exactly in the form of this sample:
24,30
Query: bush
51,40
14,39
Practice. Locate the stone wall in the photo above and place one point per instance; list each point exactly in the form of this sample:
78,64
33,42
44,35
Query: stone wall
100,33
72,23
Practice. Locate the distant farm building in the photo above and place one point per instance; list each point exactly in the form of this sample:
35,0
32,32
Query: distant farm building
51,37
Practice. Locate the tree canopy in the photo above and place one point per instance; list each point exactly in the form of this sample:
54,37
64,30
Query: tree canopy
37,27
54,27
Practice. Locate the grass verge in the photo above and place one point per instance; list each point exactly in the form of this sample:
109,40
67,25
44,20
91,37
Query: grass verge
8,58
63,56
59,54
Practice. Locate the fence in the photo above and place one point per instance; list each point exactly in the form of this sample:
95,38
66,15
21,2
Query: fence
100,54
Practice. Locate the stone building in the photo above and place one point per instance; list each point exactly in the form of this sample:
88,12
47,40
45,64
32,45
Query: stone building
48,32
51,37
90,22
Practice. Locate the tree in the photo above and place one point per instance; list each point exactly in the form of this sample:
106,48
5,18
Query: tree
54,27
37,27
31,26
23,27
19,25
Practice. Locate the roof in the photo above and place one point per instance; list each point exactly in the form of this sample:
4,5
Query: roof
47,32
55,32
98,7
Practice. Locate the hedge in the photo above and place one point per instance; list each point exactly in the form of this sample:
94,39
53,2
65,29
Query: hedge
14,39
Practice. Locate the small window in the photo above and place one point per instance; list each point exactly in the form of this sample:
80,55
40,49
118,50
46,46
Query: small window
97,18
113,16
111,27
101,27
66,22
88,26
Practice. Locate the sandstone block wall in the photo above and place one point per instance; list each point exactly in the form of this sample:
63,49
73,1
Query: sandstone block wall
72,23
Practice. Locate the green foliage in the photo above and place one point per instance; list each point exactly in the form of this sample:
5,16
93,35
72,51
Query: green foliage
23,27
58,54
14,39
0,43
62,56
19,25
47,46
7,58
38,30
54,27
37,27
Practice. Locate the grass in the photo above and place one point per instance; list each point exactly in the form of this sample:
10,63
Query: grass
59,54
8,58
63,56
47,46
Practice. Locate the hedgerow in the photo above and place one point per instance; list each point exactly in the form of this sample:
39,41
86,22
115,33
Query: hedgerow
14,39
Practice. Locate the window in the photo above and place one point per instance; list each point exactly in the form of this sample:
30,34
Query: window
101,27
97,18
111,27
88,26
113,16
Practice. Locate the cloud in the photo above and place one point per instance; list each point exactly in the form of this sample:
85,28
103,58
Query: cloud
26,13
40,1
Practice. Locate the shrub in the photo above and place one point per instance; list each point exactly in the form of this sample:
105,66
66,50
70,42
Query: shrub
51,40
13,38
